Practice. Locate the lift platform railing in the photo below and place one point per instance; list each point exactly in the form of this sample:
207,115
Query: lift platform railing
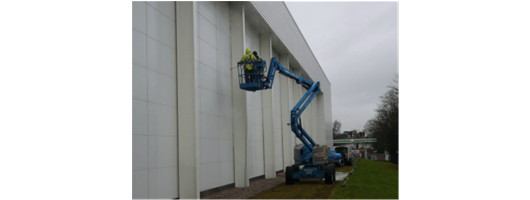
251,80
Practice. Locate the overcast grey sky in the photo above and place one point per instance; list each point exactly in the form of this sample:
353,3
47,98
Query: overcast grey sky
356,44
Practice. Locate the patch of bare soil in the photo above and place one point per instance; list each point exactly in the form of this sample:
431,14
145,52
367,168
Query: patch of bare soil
256,187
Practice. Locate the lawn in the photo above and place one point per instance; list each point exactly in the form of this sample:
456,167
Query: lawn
370,180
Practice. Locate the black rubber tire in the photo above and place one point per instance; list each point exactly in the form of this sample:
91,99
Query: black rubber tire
289,176
296,168
349,162
328,174
334,177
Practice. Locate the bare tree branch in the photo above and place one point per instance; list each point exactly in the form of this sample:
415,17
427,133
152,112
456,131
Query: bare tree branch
385,125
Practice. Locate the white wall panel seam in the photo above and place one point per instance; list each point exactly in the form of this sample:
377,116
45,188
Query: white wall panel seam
161,12
147,90
214,23
177,99
158,103
161,43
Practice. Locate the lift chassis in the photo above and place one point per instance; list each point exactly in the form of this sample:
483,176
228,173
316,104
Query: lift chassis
311,159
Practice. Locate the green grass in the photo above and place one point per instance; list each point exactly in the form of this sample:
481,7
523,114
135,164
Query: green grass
305,189
371,180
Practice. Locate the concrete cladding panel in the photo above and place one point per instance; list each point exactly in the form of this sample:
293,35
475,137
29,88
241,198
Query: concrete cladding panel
215,110
252,37
154,101
277,117
159,25
139,16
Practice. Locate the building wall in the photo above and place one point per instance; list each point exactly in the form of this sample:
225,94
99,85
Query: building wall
292,102
277,117
295,95
154,100
215,113
254,113
155,138
321,120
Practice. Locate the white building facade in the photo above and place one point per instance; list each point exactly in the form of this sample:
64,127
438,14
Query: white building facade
194,130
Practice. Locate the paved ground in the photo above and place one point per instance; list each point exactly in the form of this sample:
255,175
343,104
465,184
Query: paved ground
255,188
340,176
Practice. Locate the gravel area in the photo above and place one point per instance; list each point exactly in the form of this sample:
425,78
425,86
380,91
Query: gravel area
256,187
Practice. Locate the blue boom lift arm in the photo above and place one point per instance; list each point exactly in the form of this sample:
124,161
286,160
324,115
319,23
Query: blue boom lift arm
259,82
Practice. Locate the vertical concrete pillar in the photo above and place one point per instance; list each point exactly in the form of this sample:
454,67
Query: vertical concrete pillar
306,115
292,101
267,100
187,95
286,114
307,118
297,95
314,121
239,97
321,120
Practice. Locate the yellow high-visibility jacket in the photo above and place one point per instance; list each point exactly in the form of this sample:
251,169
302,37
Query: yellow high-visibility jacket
247,57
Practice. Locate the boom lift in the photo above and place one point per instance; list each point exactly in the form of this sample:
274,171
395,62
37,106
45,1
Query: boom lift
335,158
312,156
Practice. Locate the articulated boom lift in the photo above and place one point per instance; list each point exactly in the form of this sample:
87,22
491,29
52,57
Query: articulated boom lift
312,156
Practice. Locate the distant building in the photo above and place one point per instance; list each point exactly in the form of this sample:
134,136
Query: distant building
362,135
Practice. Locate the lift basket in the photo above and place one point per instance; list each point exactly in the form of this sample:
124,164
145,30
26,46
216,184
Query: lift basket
251,80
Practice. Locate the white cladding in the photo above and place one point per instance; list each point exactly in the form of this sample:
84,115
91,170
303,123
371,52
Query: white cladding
277,117
154,169
215,113
254,113
154,66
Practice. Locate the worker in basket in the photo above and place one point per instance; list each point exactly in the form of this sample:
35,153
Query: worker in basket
261,71
248,66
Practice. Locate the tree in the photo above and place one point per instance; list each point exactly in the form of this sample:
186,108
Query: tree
336,127
385,125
